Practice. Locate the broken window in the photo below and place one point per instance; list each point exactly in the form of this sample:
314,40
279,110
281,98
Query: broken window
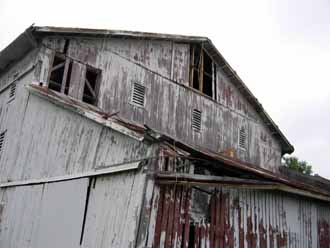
203,71
61,76
90,87
59,79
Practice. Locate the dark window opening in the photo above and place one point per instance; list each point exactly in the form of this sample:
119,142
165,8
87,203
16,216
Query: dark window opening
60,74
90,88
57,73
202,76
67,81
61,77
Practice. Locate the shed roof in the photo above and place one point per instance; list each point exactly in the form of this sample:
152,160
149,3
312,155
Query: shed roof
29,40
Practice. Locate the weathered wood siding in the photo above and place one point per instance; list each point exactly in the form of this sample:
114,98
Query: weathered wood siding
236,217
46,140
163,67
48,215
77,213
114,211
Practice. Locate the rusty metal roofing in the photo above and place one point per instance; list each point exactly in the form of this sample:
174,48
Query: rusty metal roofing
28,40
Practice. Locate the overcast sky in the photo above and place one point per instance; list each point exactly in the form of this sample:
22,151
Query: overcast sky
281,49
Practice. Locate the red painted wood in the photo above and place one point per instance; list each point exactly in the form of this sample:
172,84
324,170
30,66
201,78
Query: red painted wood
187,221
165,212
171,213
182,217
159,217
176,215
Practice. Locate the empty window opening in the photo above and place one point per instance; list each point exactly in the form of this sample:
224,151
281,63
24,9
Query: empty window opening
12,91
67,80
196,120
202,76
60,74
90,88
138,94
242,138
2,141
208,76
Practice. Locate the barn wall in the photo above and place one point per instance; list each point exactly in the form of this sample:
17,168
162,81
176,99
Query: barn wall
45,140
48,215
236,217
168,105
99,212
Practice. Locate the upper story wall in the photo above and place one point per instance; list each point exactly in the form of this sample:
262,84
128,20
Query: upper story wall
162,67
39,139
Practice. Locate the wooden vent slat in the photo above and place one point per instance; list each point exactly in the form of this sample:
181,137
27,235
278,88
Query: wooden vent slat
242,138
12,91
196,120
138,94
2,140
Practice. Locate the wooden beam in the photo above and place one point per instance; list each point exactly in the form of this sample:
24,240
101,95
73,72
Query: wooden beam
65,74
58,66
192,58
91,90
201,71
108,170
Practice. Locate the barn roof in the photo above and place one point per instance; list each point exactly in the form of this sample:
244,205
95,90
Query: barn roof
29,40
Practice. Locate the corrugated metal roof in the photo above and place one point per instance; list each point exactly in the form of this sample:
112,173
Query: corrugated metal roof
27,41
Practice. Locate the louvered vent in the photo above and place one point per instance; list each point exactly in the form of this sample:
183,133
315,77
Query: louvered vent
12,91
196,120
2,141
138,94
242,138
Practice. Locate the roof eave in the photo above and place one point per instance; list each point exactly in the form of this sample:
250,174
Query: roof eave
86,32
17,49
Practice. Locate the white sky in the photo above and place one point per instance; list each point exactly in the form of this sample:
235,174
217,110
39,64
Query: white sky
280,48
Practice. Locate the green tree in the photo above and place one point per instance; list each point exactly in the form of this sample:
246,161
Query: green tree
298,165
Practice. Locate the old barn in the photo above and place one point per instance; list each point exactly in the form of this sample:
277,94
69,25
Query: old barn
127,139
